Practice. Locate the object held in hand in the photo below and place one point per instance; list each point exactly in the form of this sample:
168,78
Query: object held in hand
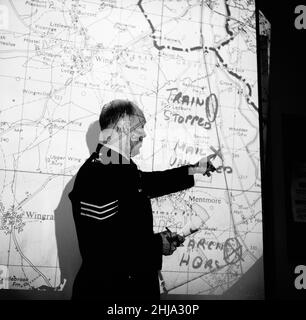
210,168
176,238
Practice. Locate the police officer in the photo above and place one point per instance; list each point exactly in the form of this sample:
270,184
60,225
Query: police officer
112,211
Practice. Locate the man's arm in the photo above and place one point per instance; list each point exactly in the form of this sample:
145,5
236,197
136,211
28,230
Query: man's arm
160,183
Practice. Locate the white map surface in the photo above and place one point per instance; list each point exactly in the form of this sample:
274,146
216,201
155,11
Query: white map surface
191,66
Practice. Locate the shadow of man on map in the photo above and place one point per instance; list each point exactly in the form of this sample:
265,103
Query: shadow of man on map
67,243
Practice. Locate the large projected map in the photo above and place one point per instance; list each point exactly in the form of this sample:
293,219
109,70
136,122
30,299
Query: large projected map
191,66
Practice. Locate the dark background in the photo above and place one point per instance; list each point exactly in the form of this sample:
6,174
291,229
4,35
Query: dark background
284,239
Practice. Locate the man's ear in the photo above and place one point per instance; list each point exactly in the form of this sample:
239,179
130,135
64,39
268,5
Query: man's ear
123,125
106,135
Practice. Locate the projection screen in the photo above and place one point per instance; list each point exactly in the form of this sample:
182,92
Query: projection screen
191,66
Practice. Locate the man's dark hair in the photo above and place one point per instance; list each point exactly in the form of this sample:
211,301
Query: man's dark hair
114,110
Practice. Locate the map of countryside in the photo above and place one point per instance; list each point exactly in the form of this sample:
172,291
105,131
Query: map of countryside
191,66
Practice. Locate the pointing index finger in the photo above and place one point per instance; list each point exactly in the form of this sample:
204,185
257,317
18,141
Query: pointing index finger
211,156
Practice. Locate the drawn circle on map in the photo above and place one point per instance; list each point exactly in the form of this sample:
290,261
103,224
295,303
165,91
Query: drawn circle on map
17,78
232,251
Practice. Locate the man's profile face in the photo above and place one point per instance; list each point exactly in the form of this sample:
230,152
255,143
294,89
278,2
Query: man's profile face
137,133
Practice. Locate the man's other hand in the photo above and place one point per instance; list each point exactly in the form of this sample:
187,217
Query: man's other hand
171,240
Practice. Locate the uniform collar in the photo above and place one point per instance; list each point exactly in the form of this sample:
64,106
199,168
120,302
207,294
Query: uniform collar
116,148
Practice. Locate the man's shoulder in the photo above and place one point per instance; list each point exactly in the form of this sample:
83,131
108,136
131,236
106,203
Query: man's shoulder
94,178
95,171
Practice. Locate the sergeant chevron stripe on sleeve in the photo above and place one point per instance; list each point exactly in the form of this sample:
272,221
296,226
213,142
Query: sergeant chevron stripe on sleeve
99,212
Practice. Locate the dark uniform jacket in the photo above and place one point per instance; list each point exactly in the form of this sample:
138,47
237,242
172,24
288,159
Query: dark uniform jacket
113,217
